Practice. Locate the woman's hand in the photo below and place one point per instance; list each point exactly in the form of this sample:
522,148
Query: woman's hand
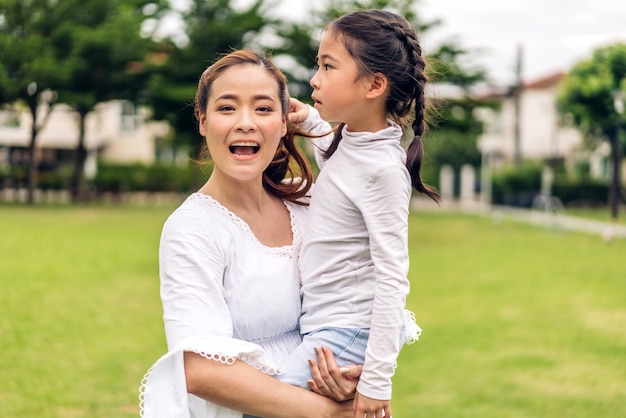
298,111
330,380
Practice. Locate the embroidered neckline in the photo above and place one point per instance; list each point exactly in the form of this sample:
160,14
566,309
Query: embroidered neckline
287,251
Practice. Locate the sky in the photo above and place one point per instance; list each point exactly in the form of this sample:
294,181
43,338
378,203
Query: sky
553,34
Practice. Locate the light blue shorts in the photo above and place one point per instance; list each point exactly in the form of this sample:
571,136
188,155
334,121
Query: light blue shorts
348,346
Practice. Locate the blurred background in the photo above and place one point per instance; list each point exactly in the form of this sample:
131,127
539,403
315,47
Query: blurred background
95,95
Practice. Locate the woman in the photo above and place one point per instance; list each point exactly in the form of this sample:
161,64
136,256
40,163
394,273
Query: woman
229,284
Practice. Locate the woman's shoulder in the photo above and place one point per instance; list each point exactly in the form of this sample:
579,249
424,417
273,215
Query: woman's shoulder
197,212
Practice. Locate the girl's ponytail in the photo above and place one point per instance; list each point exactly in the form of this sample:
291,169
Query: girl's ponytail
415,150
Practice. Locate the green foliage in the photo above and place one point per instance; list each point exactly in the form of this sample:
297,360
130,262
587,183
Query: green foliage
452,147
107,57
31,49
587,93
517,186
58,178
117,178
581,191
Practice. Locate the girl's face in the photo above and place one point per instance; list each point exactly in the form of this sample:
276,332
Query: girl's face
338,88
243,122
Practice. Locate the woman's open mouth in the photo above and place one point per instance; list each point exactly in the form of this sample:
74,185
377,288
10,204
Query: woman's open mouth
244,148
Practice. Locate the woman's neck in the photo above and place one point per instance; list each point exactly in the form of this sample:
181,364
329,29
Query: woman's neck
237,196
265,214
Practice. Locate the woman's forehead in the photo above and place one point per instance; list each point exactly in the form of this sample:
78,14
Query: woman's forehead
246,80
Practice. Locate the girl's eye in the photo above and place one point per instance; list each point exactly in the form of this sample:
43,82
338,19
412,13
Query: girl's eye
225,108
265,109
327,67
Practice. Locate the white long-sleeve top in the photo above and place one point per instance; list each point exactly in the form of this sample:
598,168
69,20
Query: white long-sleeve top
354,259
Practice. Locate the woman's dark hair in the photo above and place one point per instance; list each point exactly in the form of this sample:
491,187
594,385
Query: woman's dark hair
383,42
288,154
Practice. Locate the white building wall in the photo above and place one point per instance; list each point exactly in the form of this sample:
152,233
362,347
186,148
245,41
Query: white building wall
119,136
541,135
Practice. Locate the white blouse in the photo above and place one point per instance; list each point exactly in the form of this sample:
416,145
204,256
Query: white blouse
221,290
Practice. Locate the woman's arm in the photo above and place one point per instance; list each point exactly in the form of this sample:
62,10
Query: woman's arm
243,388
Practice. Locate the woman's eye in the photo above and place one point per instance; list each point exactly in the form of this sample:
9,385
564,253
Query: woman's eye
225,108
265,109
327,67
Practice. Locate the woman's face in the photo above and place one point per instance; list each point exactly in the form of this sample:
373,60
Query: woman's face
243,122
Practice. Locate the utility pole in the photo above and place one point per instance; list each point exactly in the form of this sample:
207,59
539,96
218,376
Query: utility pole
616,187
517,105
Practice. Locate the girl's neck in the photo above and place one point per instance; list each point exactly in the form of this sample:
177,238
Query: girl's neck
370,115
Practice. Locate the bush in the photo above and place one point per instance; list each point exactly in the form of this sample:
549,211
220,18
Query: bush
117,178
581,192
56,179
517,186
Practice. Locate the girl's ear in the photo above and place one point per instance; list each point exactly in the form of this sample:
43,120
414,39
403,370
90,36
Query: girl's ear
378,86
201,124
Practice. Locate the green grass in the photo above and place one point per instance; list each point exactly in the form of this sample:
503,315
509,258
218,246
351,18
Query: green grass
602,214
80,318
518,321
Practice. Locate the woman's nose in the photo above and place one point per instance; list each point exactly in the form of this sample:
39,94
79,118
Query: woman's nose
245,122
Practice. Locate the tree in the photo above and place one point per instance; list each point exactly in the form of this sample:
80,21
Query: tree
588,96
106,61
33,64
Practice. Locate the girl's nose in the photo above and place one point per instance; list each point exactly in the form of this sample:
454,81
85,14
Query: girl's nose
314,81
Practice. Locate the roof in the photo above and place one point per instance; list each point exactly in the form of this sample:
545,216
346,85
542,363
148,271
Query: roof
545,82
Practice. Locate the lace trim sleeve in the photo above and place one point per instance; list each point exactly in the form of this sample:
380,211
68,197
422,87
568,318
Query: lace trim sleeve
163,389
413,331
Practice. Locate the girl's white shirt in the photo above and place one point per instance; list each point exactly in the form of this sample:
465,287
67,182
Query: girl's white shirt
354,260
226,296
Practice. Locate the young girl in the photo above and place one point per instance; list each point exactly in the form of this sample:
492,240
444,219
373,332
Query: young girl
354,259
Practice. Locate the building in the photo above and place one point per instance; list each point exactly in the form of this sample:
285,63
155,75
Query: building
115,131
543,133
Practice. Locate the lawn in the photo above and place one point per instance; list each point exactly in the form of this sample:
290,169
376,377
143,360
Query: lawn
518,321
602,214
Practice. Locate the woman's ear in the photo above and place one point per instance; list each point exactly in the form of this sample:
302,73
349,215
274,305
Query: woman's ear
201,122
283,130
377,86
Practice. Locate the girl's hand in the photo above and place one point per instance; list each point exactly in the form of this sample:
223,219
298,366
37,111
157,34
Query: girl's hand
298,111
368,407
330,380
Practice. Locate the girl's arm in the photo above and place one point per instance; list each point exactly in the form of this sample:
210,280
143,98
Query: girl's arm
243,388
